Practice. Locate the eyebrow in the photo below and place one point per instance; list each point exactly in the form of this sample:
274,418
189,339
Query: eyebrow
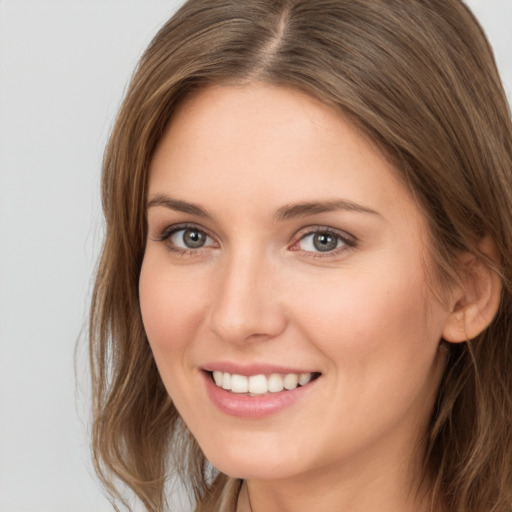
286,212
179,206
312,208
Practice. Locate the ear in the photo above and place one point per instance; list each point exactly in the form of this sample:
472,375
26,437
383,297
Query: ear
476,298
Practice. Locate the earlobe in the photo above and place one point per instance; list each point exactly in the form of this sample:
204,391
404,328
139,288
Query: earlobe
476,300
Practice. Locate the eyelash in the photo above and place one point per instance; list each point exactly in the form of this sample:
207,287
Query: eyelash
348,241
167,234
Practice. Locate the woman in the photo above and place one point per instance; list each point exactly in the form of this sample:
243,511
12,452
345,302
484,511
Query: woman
307,270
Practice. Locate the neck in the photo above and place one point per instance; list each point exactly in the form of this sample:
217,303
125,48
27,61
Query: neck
254,498
377,488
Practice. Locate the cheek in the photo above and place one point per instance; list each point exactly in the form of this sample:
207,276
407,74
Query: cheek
171,308
375,320
381,344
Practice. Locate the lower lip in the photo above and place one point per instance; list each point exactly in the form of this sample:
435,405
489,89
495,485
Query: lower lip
254,407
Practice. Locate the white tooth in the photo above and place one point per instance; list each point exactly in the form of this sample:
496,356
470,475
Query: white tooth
239,383
258,384
275,383
226,381
217,377
291,380
304,378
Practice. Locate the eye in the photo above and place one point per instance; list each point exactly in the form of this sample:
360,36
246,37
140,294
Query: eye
323,241
187,238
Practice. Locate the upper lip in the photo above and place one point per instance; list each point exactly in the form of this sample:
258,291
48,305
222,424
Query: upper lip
252,369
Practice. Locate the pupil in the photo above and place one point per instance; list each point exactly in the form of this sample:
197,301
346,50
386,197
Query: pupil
194,239
324,242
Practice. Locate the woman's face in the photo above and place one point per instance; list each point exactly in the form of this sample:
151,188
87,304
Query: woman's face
282,250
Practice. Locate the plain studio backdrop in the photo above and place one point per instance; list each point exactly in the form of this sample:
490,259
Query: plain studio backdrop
63,68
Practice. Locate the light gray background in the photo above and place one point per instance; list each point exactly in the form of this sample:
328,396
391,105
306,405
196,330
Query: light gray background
63,68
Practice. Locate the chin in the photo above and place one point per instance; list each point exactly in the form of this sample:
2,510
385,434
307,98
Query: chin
257,463
255,470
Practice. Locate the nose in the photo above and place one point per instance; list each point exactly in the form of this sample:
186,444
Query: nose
247,305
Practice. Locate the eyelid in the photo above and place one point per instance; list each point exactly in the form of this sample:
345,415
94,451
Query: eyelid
166,234
348,240
169,230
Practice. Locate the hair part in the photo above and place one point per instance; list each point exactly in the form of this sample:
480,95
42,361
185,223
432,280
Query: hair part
418,78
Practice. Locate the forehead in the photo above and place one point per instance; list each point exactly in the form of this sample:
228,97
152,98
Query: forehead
252,135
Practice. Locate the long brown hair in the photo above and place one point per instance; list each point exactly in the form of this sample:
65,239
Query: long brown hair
419,78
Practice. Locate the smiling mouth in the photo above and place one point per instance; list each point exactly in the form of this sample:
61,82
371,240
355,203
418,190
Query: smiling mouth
257,385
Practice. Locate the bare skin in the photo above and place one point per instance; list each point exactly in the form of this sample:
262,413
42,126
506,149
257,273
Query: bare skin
279,235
